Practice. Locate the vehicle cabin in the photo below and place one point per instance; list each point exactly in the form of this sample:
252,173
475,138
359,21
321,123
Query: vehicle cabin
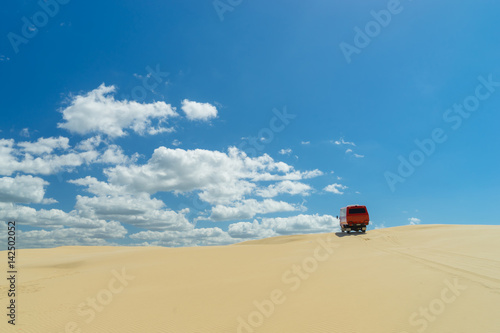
354,218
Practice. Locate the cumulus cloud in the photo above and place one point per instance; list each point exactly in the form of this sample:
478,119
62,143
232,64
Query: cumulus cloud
52,218
50,164
225,191
114,155
248,209
13,159
97,187
270,227
193,237
48,156
63,228
287,151
250,230
112,202
22,189
198,111
90,143
72,236
99,112
220,177
137,210
286,186
413,221
335,188
45,145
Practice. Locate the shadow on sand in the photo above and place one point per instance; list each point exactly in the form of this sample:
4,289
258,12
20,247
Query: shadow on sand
353,233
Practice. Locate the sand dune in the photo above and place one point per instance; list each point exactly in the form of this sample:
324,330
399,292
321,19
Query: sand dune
433,278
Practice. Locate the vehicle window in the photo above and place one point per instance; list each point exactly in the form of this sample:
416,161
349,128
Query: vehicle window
357,211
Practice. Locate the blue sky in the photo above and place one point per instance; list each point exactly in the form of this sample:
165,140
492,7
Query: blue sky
186,123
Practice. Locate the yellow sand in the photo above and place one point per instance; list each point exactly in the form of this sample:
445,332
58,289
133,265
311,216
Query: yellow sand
437,278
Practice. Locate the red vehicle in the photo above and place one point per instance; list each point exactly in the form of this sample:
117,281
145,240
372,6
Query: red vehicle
354,218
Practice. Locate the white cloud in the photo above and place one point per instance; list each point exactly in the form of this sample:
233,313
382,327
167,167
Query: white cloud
97,187
72,236
3,240
302,224
48,156
248,209
193,237
138,210
342,142
287,151
305,142
221,177
270,227
64,228
45,145
7,161
250,230
99,112
157,130
226,191
47,165
293,175
176,143
413,221
15,160
25,132
198,111
335,188
113,202
55,163
48,201
348,150
285,186
114,155
23,189
90,143
53,218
